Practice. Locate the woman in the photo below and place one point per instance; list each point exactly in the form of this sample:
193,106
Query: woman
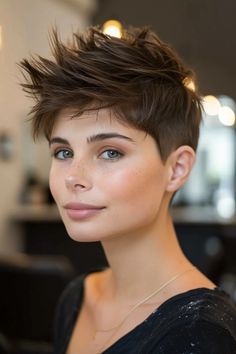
122,126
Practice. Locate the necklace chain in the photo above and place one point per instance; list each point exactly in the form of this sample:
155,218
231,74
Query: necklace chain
140,303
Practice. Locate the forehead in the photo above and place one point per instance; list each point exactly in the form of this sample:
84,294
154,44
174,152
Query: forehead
85,127
92,121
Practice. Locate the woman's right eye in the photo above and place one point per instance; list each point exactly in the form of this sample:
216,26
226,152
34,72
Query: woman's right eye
63,154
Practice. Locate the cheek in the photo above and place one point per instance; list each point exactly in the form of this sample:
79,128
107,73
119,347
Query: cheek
137,186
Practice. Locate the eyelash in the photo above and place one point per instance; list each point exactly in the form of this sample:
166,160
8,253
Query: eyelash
56,153
113,150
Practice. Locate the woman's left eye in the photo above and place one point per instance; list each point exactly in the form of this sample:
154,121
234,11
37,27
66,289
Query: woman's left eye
111,154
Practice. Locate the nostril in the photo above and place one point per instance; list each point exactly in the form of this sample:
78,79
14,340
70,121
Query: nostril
79,186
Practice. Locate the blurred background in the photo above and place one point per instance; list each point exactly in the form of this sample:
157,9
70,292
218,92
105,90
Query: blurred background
37,258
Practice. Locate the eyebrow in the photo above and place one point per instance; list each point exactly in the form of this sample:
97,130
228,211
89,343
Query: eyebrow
103,136
58,140
93,138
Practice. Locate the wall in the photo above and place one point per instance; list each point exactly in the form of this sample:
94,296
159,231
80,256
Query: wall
203,33
25,25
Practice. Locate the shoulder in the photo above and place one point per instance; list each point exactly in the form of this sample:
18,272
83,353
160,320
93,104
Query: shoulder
203,303
198,321
198,337
66,310
212,306
69,299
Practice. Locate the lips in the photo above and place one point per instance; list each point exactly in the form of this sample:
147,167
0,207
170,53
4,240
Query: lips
80,211
81,206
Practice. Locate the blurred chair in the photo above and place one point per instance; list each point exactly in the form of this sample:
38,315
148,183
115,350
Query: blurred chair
30,288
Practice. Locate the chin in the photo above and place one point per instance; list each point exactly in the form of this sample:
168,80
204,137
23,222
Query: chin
81,236
81,231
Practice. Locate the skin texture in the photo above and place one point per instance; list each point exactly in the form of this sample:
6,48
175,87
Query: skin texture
129,182
127,177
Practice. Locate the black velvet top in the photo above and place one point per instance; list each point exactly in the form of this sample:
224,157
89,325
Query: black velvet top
199,321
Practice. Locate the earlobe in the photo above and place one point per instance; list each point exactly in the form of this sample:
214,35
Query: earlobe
181,163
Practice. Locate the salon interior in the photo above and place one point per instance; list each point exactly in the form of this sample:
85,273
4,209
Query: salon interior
37,258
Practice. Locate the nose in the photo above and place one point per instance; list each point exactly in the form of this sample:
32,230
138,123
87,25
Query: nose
78,179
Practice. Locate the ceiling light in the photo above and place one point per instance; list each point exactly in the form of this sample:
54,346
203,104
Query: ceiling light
113,28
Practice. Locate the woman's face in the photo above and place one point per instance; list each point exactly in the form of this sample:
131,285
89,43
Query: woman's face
114,168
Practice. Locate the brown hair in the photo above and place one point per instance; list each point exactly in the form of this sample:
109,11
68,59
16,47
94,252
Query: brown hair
140,77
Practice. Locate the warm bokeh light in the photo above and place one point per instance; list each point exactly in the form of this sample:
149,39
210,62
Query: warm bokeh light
226,116
113,28
211,105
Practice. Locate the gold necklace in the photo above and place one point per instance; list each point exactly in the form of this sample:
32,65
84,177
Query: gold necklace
137,305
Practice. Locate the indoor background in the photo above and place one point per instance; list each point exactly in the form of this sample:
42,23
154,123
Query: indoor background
37,258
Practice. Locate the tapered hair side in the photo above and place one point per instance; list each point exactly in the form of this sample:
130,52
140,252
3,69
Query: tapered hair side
141,79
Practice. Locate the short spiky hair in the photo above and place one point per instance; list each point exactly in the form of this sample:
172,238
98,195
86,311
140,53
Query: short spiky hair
140,77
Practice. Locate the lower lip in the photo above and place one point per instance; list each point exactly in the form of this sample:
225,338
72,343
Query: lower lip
80,214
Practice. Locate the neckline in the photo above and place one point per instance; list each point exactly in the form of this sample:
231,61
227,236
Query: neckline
160,308
155,312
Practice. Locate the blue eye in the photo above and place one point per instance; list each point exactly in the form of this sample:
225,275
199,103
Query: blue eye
63,154
111,154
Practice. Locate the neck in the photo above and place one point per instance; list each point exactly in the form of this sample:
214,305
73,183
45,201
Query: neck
141,262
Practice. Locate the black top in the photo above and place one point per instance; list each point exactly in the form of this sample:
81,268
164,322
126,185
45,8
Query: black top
199,321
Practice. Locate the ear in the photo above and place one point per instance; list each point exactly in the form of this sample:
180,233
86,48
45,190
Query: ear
181,162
